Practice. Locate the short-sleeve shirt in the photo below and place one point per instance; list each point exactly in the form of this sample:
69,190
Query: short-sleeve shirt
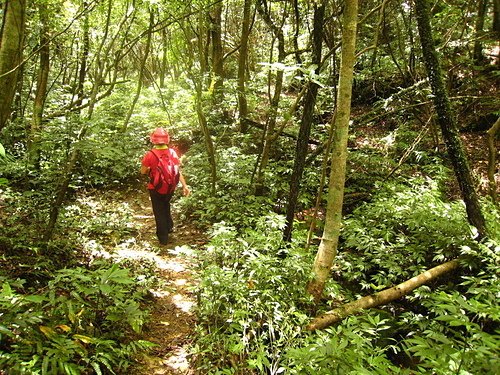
151,161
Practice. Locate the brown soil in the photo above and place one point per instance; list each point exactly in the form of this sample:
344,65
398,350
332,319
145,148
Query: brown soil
172,304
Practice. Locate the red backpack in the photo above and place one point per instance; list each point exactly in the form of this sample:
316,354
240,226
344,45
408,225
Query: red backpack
165,176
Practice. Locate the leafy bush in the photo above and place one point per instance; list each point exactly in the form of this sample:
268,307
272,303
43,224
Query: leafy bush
234,201
404,230
83,320
350,348
249,299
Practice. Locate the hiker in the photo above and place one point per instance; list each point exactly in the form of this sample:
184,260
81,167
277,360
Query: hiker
162,165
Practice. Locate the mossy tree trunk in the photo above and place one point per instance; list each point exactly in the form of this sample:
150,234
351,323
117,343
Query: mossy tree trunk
306,122
11,48
329,242
446,119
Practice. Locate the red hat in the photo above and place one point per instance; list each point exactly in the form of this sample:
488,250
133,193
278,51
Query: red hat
159,136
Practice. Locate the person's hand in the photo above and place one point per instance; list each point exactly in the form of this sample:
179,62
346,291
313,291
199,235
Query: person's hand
186,191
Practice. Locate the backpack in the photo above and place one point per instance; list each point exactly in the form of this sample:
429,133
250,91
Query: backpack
165,176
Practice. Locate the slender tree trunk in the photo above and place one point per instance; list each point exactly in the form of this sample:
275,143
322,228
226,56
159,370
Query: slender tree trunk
329,242
269,133
217,53
495,28
296,34
75,153
164,58
99,68
478,45
41,87
11,49
306,122
492,133
381,298
61,195
82,72
446,120
242,64
142,71
198,80
208,139
378,30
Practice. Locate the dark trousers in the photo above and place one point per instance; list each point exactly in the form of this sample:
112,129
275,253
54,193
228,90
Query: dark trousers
163,216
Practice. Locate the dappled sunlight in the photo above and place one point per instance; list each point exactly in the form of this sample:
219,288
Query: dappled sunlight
178,360
183,303
161,262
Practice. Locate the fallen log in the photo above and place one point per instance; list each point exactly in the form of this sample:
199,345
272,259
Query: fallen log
380,298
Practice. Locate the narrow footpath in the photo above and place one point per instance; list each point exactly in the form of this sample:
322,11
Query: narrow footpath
172,319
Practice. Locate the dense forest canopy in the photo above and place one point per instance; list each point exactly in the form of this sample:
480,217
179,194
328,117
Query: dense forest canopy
343,161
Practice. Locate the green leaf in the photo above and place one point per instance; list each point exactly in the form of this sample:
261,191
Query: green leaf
35,298
96,367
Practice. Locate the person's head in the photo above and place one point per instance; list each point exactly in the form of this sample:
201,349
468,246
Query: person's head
159,137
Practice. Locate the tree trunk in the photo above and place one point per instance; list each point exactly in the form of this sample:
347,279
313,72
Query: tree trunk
41,87
208,139
478,46
269,134
11,48
164,58
446,120
495,29
142,71
492,153
296,34
242,59
306,122
381,298
217,53
75,153
82,72
329,242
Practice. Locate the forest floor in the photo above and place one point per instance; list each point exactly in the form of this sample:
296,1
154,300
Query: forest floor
172,306
172,319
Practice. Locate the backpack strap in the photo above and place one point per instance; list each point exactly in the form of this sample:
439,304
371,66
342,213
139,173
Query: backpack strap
155,154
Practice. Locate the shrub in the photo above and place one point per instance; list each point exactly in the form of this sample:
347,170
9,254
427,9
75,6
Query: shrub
249,299
83,320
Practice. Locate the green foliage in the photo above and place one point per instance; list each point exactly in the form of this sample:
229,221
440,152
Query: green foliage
233,188
83,320
465,331
249,300
349,348
463,322
108,218
404,230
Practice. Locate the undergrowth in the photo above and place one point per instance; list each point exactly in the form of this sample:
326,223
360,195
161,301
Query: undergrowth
83,319
253,305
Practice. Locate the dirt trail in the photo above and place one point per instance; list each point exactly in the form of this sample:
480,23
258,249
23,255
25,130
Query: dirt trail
172,305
